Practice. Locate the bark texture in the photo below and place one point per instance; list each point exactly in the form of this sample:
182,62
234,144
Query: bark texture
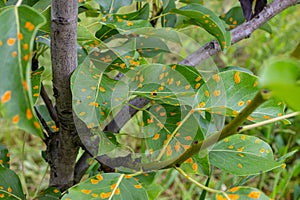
62,147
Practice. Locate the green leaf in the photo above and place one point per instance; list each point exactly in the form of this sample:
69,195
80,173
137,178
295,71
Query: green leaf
94,93
16,40
170,19
243,155
50,193
104,186
282,77
201,16
43,111
191,1
112,6
10,185
36,83
232,91
4,156
245,193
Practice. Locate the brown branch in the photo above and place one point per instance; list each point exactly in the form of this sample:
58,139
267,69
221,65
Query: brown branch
49,105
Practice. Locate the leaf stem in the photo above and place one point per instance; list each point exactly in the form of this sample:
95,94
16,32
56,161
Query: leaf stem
19,3
199,184
248,127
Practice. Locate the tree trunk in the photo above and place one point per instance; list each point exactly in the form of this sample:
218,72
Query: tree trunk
62,148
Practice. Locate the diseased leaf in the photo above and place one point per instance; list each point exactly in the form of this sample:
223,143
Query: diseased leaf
201,16
112,6
245,193
109,185
10,185
243,155
36,83
170,19
50,193
16,40
4,156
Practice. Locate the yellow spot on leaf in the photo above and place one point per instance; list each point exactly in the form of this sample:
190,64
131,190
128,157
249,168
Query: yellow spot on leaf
6,97
207,93
255,84
187,87
248,102
173,67
256,141
243,137
56,191
241,155
240,165
117,192
283,166
94,195
11,41
226,140
230,147
15,119
169,150
1,43
254,195
201,105
178,82
262,150
237,78
241,149
197,85
188,138
2,195
162,114
99,177
266,117
129,23
28,114
9,189
198,79
177,147
102,89
81,113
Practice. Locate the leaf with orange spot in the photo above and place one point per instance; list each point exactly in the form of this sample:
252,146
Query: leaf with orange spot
20,28
4,156
245,193
50,193
243,155
128,188
36,83
10,182
233,93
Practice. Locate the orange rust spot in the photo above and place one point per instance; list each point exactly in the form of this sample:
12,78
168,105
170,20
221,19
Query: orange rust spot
233,196
240,165
25,46
243,137
230,147
241,155
198,79
156,136
188,138
255,84
237,78
35,87
197,85
14,54
187,87
173,67
9,189
241,103
178,82
28,114
195,166
20,36
113,186
29,26
173,113
86,191
138,186
207,93
94,181
201,105
217,93
220,197
178,123
150,151
1,43
94,195
186,147
25,85
169,150
216,77
129,23
160,88
6,97
254,195
177,147
36,124
26,57
266,117
128,176
117,192
189,160
11,41
162,114
103,19
15,119
241,149
102,89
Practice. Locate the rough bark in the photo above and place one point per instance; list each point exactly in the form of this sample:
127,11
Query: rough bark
62,148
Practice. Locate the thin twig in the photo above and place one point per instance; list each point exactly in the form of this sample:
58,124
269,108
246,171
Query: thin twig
49,105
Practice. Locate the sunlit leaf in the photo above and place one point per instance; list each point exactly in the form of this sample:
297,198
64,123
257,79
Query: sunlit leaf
16,39
243,155
36,83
